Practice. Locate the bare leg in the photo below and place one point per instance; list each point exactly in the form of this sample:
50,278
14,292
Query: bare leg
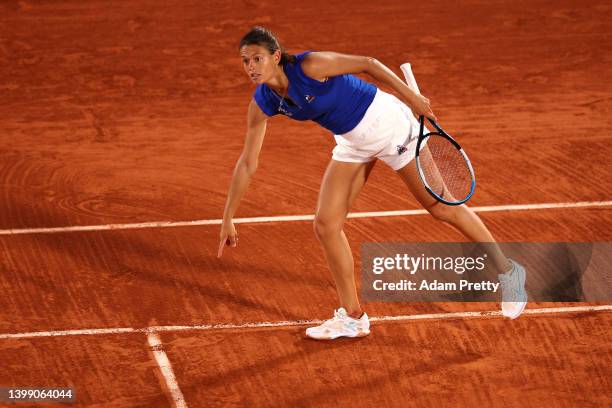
341,184
461,217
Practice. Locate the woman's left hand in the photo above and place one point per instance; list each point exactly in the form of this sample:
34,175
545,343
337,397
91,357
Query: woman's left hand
420,106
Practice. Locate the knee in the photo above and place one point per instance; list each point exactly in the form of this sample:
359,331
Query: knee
445,213
325,227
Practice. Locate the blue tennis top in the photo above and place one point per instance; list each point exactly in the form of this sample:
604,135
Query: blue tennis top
337,104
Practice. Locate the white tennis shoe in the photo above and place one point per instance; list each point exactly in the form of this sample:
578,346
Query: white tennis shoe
514,296
341,325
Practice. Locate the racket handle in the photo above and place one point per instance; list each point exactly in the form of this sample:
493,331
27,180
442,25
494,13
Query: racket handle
410,81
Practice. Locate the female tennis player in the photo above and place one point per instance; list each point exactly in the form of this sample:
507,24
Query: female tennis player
368,124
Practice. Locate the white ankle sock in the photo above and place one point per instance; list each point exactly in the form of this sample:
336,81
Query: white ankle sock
512,267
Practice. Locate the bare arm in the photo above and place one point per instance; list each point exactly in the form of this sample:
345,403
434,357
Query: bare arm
243,172
320,65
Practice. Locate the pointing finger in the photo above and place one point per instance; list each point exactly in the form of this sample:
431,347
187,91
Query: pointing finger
221,245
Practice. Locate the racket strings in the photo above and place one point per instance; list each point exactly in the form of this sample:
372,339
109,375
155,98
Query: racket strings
445,169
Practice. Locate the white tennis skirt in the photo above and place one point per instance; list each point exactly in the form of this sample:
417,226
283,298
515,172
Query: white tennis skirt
388,131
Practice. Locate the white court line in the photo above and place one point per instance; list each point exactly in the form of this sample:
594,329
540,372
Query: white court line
289,218
76,332
166,368
296,323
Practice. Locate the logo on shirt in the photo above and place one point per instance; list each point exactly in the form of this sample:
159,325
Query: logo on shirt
401,149
309,98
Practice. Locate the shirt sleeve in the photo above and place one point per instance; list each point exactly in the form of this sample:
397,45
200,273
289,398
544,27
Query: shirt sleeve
313,83
264,101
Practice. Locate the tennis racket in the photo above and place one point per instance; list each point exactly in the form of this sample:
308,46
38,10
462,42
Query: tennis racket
443,166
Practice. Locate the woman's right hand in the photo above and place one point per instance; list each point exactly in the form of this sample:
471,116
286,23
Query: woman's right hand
228,236
421,106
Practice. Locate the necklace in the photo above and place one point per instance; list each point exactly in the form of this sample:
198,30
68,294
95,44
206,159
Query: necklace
281,97
280,105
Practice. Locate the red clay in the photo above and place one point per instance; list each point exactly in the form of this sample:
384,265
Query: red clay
134,111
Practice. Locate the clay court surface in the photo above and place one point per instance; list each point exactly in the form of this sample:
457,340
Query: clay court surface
118,116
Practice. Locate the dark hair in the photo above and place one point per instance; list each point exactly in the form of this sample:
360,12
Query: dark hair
265,38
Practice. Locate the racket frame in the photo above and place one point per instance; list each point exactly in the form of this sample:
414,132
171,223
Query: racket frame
440,132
